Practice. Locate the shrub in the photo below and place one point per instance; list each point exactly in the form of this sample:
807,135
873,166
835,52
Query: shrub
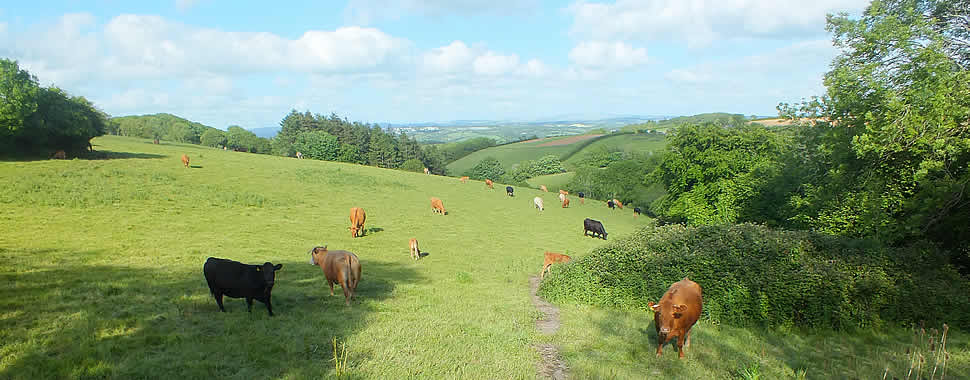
412,165
488,168
754,275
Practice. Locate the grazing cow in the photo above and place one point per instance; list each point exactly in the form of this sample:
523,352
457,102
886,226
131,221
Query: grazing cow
339,267
543,188
357,218
610,204
437,206
593,227
240,149
488,183
510,191
413,245
563,192
676,313
562,197
155,142
426,171
565,202
185,160
538,202
238,280
60,155
299,155
552,258
582,198
463,179
618,204
636,211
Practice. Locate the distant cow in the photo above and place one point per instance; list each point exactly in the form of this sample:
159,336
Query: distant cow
565,202
510,191
552,258
636,211
185,160
60,155
238,280
339,267
610,204
562,197
582,198
488,183
543,188
357,219
463,179
240,149
618,203
413,246
437,206
593,227
299,155
155,142
676,313
563,192
426,171
538,202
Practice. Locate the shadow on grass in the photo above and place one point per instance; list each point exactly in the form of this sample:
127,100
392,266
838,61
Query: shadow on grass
95,155
64,319
373,230
195,166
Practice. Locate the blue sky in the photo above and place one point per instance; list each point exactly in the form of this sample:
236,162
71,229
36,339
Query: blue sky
248,63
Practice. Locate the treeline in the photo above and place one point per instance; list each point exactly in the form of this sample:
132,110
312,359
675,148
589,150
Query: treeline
169,127
37,120
491,168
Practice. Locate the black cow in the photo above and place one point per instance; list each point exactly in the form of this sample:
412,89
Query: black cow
611,205
636,211
238,280
581,195
509,190
595,227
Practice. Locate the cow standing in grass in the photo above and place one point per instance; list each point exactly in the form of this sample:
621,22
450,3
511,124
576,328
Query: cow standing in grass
538,202
437,206
593,227
636,211
676,313
565,202
552,258
582,198
426,171
185,160
357,219
489,183
463,179
339,267
510,191
238,280
610,204
413,246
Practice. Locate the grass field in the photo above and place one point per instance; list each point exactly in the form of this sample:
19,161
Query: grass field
101,266
553,182
511,154
637,143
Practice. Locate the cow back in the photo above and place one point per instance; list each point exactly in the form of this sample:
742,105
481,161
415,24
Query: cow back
234,278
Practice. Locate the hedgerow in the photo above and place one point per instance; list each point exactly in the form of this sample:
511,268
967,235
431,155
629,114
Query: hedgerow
751,274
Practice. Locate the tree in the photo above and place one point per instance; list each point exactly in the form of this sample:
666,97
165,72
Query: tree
214,138
18,97
317,145
488,168
413,165
383,152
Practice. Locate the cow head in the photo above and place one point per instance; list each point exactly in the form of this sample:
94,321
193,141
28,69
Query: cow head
317,251
665,314
269,273
353,231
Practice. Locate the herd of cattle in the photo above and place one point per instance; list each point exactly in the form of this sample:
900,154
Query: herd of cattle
674,314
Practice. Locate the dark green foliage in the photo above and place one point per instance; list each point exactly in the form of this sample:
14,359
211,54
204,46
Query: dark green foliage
413,165
162,126
549,164
488,168
213,137
754,275
317,145
622,179
237,137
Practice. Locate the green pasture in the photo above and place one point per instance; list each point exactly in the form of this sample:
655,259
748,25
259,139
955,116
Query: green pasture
101,266
511,154
635,143
553,182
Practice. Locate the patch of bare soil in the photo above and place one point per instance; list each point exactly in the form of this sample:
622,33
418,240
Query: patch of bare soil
551,366
569,140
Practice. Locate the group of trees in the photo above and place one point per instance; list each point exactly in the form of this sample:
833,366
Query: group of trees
41,120
491,168
169,127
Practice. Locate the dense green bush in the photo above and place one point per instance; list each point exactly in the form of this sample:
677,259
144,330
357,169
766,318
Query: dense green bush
754,275
412,165
487,168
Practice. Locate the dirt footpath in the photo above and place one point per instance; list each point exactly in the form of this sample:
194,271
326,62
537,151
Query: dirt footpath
551,366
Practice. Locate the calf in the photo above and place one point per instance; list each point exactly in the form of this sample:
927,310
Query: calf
413,246
543,188
593,227
552,258
299,155
339,267
565,203
636,211
437,206
610,204
463,179
426,171
238,280
582,198
488,183
185,160
618,203
357,219
538,202
562,197
676,313
510,191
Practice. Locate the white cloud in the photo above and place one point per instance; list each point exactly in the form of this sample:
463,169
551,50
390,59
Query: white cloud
184,5
606,55
492,63
449,58
699,22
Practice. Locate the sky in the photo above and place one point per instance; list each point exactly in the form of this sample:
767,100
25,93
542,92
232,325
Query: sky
249,63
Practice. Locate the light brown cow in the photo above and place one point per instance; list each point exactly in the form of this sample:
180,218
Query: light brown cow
538,202
185,160
413,245
426,171
676,313
357,218
562,197
488,183
463,179
563,192
618,204
437,206
60,155
552,258
565,203
339,267
543,188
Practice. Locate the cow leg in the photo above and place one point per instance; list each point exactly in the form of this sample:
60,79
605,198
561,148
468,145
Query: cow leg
218,297
269,306
687,343
680,344
249,304
542,273
660,345
347,293
331,287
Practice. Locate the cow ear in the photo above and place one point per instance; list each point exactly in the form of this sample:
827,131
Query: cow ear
680,308
653,306
278,267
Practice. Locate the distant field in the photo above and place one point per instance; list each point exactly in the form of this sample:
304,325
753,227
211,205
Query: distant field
553,182
512,154
638,143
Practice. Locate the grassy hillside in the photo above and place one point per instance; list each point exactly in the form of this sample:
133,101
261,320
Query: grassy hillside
637,143
553,182
511,154
103,275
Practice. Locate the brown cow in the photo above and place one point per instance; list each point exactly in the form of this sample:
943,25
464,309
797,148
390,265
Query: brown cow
563,192
565,203
562,197
618,204
488,183
543,188
413,245
339,267
185,160
426,171
437,206
60,155
463,179
357,218
676,313
552,258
